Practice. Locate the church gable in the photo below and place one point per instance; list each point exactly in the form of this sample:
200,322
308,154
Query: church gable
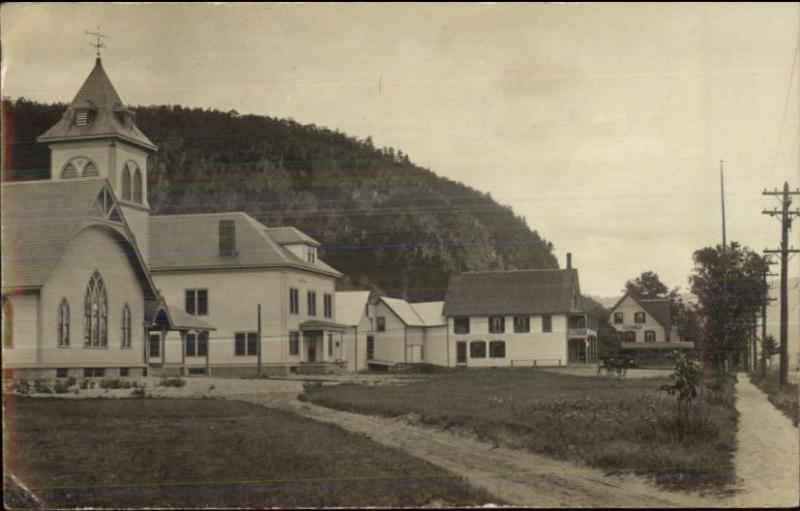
41,220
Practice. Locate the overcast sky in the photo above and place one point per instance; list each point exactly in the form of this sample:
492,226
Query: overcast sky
603,125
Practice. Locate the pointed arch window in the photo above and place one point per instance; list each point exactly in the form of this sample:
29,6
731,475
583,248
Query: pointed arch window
126,183
63,323
8,323
126,326
69,171
137,186
90,170
95,313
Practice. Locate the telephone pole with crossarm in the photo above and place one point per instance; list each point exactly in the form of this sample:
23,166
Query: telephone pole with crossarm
786,215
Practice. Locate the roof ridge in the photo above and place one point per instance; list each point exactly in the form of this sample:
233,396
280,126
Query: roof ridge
516,271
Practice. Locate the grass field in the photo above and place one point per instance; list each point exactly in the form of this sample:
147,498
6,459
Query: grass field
215,453
785,399
616,425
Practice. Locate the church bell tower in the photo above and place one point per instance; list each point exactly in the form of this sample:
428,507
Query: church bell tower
98,137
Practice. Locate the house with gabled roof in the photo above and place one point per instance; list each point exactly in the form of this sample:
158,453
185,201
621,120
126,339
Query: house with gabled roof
645,324
202,293
518,318
403,332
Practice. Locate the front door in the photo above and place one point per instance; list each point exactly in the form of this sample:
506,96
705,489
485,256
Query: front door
155,346
461,352
370,347
312,348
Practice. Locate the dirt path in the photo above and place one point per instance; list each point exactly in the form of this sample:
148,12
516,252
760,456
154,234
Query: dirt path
517,477
768,454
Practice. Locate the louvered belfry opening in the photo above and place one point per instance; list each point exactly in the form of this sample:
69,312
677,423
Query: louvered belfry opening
227,238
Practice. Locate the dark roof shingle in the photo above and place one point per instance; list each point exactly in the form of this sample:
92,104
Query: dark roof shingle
512,292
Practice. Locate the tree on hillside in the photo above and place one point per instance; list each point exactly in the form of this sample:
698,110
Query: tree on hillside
730,288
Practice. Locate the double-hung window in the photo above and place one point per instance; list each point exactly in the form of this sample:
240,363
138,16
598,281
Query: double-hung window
294,343
497,324
522,324
294,301
327,304
497,349
461,325
547,323
246,344
196,302
312,303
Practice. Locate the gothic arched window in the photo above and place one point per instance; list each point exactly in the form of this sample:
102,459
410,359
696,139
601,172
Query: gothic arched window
63,323
126,183
95,313
69,171
126,326
137,186
90,170
8,323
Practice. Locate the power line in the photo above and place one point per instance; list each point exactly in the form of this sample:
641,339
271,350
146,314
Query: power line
786,101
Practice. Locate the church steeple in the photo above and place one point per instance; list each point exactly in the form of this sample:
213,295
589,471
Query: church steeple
97,137
97,112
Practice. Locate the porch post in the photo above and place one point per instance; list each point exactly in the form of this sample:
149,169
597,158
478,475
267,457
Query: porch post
208,352
163,349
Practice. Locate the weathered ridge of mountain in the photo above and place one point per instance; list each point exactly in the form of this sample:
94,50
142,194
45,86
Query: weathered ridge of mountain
386,223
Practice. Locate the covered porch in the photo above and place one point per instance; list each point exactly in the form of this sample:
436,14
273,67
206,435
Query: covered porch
322,346
582,339
194,341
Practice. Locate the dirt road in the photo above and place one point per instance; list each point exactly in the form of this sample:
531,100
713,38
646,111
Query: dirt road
517,477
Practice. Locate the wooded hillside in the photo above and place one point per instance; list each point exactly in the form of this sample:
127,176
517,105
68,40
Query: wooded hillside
385,222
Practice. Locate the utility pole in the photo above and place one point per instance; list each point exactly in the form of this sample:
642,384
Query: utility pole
786,223
727,354
259,339
764,353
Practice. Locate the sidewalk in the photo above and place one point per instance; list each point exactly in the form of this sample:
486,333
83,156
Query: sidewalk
768,454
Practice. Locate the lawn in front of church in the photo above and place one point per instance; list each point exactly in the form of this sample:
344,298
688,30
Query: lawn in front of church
187,453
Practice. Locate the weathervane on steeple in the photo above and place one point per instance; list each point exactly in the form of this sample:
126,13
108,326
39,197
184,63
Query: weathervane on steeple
98,44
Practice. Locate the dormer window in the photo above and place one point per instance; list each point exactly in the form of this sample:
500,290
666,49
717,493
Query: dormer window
227,238
311,255
82,118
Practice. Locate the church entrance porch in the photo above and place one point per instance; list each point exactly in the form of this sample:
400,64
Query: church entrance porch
161,354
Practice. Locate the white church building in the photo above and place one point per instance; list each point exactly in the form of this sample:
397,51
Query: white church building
94,285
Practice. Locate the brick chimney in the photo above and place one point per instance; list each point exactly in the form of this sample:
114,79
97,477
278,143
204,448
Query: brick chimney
569,260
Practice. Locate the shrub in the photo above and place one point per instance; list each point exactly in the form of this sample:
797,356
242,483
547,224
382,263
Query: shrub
22,386
139,392
177,381
686,380
60,387
71,381
311,385
42,387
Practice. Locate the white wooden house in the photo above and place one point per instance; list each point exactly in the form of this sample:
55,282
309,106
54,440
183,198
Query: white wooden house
517,318
645,324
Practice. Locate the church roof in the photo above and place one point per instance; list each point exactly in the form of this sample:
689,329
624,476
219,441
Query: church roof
100,98
191,242
40,220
